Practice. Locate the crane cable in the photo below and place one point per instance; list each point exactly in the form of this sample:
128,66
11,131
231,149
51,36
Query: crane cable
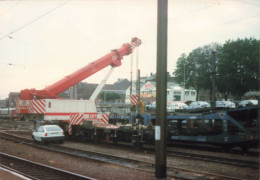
137,74
131,76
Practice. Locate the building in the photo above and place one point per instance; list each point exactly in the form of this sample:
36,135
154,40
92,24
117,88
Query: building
12,98
3,103
85,90
148,91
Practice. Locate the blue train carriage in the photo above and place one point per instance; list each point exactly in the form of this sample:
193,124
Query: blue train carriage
249,118
227,129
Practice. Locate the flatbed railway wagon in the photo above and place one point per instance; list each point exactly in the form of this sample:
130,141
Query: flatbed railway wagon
227,129
224,128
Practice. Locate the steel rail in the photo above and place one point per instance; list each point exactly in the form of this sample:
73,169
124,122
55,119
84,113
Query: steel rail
228,161
172,171
35,170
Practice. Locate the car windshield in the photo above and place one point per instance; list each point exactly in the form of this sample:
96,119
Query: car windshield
53,128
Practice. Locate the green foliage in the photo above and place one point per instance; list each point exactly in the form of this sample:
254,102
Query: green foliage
196,67
7,102
109,96
237,67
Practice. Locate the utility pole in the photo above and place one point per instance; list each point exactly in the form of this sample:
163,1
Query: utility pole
258,111
161,86
138,90
73,92
213,69
184,82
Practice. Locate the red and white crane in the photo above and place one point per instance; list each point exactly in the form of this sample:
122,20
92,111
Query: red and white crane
113,59
46,105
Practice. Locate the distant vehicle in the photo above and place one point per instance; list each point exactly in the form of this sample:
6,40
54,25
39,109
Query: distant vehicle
198,105
171,106
225,104
48,133
248,102
177,105
151,106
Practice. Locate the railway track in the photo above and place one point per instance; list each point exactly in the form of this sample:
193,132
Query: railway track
207,158
35,170
221,160
172,171
203,147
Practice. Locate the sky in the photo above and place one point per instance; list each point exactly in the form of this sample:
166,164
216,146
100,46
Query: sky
43,41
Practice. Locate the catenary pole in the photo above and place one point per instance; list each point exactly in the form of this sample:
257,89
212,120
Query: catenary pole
161,85
213,91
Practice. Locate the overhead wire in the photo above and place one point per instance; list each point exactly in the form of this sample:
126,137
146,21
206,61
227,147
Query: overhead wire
243,2
193,12
238,20
34,20
230,22
11,7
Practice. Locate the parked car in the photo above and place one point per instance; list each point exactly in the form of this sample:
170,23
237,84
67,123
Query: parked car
248,102
177,105
48,133
198,105
225,104
171,106
151,106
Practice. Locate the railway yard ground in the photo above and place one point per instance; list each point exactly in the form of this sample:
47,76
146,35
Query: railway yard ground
104,170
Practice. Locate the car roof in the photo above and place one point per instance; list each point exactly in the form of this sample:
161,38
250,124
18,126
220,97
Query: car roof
49,125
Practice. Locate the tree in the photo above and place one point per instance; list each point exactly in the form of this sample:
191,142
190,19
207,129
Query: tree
236,67
196,67
238,70
109,96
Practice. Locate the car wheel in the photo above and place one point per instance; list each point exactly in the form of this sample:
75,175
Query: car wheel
43,141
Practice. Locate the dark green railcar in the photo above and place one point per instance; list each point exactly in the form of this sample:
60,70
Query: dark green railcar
228,129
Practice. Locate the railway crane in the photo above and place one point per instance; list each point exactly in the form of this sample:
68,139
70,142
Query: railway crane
45,105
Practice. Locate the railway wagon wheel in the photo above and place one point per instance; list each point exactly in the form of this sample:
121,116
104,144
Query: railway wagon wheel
43,141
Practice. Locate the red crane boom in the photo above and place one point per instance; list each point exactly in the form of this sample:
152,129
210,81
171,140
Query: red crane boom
113,59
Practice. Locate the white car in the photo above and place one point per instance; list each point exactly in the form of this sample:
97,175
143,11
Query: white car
248,102
151,106
47,133
225,104
198,105
170,106
177,105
